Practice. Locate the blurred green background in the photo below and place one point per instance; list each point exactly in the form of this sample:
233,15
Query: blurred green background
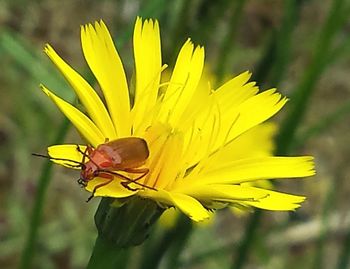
300,46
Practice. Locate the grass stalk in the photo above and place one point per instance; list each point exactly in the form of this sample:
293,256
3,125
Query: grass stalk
35,219
291,11
226,44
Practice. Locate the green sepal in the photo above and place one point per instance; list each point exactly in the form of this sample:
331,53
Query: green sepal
127,225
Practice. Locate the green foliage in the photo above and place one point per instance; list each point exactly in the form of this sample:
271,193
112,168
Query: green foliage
292,44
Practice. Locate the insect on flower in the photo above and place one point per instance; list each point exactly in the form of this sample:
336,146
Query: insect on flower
196,135
109,159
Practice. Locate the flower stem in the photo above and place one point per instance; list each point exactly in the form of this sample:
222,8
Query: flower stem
227,42
249,235
344,256
291,11
323,124
307,85
172,241
181,236
119,228
44,181
106,255
330,200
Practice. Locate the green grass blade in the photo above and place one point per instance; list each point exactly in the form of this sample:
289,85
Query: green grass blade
306,87
44,181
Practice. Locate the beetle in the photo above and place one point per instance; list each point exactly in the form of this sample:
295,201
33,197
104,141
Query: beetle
107,160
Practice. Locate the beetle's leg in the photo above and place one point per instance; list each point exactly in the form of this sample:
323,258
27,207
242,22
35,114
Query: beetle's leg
104,175
143,171
137,170
108,174
82,182
99,186
128,180
125,184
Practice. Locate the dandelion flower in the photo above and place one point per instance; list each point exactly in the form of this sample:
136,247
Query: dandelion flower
196,162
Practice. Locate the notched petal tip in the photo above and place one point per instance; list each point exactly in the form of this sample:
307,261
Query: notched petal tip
48,49
82,29
199,50
97,24
310,161
146,25
247,73
45,90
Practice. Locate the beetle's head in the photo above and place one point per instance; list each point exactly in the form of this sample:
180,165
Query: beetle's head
89,171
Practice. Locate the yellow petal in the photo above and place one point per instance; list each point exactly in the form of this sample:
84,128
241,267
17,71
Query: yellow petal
148,67
104,61
277,201
199,103
235,91
231,94
224,193
88,97
68,152
220,127
252,112
183,83
83,124
215,116
188,205
112,189
253,169
165,166
246,196
256,142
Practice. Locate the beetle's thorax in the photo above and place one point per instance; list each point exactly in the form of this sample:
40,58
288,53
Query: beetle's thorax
97,160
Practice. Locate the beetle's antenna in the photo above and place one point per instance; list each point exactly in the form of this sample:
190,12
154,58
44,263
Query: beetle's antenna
85,155
78,164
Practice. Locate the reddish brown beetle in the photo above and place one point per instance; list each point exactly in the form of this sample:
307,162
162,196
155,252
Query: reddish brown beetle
125,154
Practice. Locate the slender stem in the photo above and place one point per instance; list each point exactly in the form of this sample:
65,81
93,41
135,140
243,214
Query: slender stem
324,123
178,29
44,181
155,251
182,235
344,256
282,54
264,66
226,44
106,255
244,247
318,261
306,87
174,238
249,235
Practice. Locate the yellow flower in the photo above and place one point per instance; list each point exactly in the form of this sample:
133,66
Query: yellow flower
193,133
